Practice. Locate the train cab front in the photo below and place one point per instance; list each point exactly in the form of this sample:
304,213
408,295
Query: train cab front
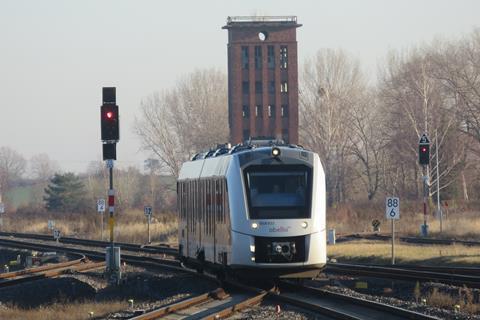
283,234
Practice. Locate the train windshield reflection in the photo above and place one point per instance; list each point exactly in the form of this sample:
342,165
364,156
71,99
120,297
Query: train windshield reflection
281,192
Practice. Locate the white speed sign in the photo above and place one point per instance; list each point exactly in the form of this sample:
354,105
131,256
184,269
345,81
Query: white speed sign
392,208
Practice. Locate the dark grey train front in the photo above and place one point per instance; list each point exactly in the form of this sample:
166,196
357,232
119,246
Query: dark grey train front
256,208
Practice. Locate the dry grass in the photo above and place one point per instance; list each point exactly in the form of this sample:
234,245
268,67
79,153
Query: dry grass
130,226
464,299
460,222
365,251
72,311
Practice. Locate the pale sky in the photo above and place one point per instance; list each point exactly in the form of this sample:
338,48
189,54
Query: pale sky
56,55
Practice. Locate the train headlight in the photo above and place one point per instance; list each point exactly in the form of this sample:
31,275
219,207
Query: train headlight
275,151
252,248
304,224
254,225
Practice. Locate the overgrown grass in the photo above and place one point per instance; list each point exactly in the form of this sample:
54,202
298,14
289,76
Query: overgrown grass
130,226
365,251
71,311
464,300
460,220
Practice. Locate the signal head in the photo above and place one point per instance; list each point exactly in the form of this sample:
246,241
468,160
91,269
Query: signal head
109,121
424,154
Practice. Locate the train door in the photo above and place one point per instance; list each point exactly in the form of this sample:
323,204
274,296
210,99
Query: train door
198,217
192,245
182,218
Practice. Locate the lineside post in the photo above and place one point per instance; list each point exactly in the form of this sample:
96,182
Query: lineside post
393,241
424,161
392,212
110,135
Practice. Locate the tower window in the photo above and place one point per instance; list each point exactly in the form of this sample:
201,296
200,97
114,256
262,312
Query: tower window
271,111
244,57
245,87
258,112
284,111
285,136
271,87
246,134
271,57
283,57
245,111
284,86
258,87
258,57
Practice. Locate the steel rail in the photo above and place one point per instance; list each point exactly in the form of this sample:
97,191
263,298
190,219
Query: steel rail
399,273
381,307
162,249
228,311
27,271
416,240
51,273
184,304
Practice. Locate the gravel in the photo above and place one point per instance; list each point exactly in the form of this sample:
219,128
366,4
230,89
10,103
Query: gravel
399,294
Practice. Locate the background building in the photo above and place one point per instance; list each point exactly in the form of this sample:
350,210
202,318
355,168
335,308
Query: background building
262,78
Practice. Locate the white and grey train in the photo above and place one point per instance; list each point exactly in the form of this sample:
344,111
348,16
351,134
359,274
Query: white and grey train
254,209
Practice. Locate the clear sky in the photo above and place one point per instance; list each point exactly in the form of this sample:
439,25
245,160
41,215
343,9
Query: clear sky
55,56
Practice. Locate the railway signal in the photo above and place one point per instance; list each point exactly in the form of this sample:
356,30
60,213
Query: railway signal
424,160
109,117
424,150
110,133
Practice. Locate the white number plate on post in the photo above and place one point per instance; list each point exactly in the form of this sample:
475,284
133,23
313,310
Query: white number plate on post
101,205
147,211
392,210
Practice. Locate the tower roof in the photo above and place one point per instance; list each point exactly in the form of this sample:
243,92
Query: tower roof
261,21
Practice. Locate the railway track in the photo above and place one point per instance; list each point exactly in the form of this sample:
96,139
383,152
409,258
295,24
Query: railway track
48,271
161,249
415,240
339,306
217,305
410,273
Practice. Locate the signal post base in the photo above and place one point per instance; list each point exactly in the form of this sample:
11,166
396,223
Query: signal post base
112,261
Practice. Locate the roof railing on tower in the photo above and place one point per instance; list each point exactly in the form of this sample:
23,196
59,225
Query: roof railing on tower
236,19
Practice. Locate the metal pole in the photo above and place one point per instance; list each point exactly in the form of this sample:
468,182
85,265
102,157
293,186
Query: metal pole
425,196
111,211
438,184
102,218
148,219
393,241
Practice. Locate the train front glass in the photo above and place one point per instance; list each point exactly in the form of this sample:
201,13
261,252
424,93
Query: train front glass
279,192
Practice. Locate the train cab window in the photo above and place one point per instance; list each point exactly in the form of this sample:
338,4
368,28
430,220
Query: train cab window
279,192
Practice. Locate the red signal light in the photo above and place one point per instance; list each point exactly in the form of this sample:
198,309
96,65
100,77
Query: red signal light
109,115
424,149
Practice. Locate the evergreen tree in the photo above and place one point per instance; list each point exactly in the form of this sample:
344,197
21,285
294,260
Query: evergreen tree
65,193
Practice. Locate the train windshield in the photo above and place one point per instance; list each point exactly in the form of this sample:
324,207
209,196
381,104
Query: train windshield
278,192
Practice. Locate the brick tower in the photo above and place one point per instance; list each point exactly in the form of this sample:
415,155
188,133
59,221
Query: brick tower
262,78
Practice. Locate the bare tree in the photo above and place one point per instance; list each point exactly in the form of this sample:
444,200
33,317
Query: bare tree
331,84
457,66
415,102
366,142
42,167
12,167
182,121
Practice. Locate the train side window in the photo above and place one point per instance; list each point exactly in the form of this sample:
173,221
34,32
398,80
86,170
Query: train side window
209,206
212,207
212,212
222,188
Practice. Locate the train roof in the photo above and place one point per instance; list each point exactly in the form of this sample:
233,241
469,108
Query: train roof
215,162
